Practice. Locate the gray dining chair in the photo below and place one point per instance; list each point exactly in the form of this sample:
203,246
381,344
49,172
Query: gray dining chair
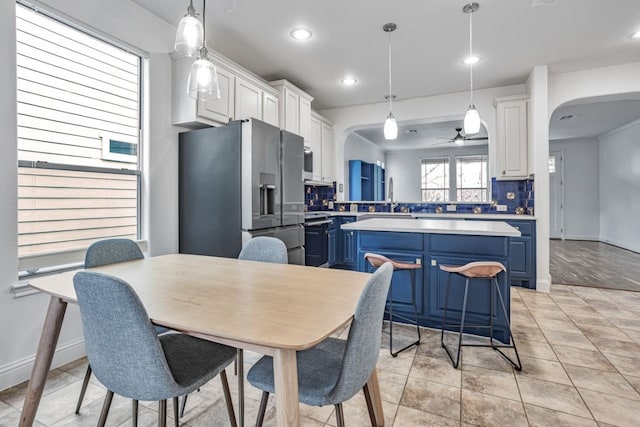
335,370
131,360
105,252
266,249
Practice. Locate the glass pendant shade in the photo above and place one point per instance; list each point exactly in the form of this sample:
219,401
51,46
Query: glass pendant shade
203,79
471,121
189,35
390,127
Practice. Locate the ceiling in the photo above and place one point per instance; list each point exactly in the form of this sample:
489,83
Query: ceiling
510,37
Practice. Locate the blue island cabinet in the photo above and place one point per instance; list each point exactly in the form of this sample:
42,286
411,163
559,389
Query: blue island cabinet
432,250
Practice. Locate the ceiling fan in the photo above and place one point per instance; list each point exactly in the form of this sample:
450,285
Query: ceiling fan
459,139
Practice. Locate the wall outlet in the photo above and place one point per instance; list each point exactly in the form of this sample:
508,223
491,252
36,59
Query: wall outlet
501,208
451,208
330,206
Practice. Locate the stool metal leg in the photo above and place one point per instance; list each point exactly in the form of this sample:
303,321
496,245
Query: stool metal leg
415,310
518,365
446,305
456,362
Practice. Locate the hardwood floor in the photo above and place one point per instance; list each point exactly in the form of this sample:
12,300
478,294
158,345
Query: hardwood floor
584,263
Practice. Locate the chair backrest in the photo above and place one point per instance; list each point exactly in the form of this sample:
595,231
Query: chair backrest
110,251
122,346
266,249
363,343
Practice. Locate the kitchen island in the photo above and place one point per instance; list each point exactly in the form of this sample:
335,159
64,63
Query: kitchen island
431,243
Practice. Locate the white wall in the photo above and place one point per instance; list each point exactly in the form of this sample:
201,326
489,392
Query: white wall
620,187
431,108
404,167
581,187
128,22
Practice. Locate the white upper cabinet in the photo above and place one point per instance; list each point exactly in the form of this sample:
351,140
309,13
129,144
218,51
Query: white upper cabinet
321,144
270,109
295,109
512,137
242,95
221,109
248,100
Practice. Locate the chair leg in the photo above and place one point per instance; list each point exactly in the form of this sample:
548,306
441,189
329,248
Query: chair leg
183,405
464,313
83,390
262,409
134,413
176,418
446,305
105,409
414,302
240,370
367,398
339,415
162,413
227,398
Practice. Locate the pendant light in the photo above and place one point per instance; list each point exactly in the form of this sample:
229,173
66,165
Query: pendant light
190,33
203,78
390,125
471,117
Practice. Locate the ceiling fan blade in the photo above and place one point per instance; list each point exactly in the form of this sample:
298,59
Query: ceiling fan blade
477,138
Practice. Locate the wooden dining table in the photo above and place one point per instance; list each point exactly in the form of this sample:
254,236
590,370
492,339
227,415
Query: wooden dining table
272,309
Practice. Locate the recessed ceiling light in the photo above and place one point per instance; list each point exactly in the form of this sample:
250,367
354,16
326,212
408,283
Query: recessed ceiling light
567,117
471,60
348,81
301,34
636,35
411,131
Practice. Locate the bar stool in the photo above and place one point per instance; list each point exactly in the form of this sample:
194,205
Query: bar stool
486,270
376,261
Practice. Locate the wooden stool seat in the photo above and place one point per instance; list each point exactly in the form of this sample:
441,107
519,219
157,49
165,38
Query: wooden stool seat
377,260
477,269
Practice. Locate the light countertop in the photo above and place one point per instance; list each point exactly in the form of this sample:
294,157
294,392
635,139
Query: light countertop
443,226
447,215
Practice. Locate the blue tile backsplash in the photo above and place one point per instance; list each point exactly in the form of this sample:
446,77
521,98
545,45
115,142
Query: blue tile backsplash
518,196
317,197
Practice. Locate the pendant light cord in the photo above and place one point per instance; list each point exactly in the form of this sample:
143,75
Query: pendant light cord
390,96
204,26
471,54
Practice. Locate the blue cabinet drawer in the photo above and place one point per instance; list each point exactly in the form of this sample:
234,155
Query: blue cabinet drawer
483,246
391,240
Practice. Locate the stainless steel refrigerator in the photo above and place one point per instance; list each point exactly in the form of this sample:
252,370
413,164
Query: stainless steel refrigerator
240,181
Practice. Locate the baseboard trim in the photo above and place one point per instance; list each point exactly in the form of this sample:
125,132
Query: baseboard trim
543,286
20,370
622,245
578,237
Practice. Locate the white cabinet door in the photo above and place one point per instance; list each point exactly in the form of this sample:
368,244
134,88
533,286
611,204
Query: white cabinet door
512,138
315,144
327,152
248,100
304,118
291,111
270,109
220,110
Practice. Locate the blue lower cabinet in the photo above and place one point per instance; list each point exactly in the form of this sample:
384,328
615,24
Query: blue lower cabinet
332,242
432,250
346,248
315,241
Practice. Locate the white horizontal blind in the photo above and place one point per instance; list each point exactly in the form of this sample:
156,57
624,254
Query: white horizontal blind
435,179
78,98
472,179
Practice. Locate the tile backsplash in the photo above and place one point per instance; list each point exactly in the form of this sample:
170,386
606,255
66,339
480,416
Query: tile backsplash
517,196
319,197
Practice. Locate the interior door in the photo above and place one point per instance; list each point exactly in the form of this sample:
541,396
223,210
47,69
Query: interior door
556,195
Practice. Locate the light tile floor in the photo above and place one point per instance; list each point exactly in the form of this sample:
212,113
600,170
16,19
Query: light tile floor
580,349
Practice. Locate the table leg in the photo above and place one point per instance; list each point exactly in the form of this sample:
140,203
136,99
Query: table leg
285,372
374,389
44,356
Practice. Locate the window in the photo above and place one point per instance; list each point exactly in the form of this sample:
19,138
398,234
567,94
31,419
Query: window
459,178
435,180
471,179
78,140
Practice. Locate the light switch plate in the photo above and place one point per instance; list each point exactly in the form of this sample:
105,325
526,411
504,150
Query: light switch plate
451,208
501,208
